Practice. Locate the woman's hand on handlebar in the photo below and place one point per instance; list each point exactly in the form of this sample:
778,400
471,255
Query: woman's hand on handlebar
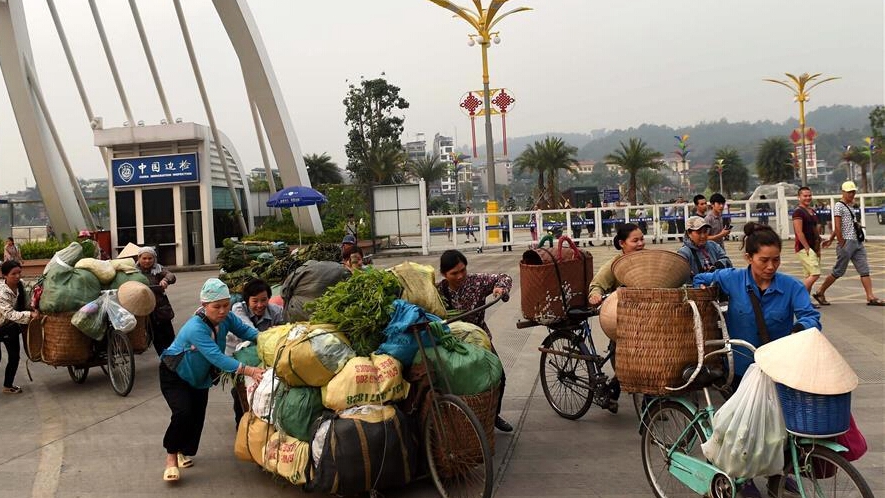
500,292
595,300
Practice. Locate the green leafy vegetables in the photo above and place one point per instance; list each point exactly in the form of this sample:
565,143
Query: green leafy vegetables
360,307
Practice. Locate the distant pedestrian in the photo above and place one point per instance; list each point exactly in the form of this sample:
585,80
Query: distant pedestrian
590,222
764,208
680,215
350,227
11,251
719,230
848,248
808,239
504,223
468,221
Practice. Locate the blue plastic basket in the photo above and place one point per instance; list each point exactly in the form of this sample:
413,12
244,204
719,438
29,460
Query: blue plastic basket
817,415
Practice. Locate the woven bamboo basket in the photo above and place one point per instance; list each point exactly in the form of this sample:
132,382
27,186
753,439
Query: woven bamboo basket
33,341
63,344
484,405
656,336
651,268
138,336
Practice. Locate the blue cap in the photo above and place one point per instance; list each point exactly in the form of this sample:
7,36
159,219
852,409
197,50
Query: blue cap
214,290
349,239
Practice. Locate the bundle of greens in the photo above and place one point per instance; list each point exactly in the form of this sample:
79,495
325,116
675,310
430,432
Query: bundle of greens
320,251
360,307
237,255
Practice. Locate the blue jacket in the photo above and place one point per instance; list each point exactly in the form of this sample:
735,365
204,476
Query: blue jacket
783,301
694,255
201,352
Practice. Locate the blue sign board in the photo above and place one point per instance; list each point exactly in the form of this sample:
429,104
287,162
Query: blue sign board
155,170
611,195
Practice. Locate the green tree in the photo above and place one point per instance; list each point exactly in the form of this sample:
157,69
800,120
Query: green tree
321,170
734,174
375,128
633,157
648,182
548,158
386,164
429,169
529,162
773,160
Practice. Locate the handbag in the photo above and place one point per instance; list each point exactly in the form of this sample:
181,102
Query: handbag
854,441
858,229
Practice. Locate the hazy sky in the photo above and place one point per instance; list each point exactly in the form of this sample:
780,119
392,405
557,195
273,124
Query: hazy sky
573,65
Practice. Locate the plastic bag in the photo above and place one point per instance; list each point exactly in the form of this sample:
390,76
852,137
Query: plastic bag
399,341
90,318
749,430
120,317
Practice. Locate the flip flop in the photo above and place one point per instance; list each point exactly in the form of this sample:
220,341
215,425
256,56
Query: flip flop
875,302
184,462
820,299
171,474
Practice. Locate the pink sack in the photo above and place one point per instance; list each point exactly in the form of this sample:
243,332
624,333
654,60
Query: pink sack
854,441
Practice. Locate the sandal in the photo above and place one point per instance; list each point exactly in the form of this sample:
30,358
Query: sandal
184,461
872,302
12,390
820,299
171,474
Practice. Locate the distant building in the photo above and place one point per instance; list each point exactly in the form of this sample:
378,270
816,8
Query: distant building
416,149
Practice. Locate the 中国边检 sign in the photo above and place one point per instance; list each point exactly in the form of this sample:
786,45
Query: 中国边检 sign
155,170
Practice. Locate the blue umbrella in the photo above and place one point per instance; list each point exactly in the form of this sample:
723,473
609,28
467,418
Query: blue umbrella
296,196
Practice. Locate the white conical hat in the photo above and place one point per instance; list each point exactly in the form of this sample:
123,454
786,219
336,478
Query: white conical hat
131,250
608,316
808,362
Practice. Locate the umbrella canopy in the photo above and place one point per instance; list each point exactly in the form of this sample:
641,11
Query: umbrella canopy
296,196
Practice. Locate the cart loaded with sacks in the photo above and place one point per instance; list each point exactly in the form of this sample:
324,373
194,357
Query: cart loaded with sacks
94,314
337,416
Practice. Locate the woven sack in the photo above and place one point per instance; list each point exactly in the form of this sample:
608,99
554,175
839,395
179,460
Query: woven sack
138,336
554,280
656,336
63,344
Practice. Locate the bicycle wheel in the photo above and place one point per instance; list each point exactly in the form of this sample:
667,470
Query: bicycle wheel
458,453
78,374
566,381
121,363
823,473
664,423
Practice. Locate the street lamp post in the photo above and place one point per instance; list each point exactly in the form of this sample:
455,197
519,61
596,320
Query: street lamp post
800,88
719,165
871,148
483,20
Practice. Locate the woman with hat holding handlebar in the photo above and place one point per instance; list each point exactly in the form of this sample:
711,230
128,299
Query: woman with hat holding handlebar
159,279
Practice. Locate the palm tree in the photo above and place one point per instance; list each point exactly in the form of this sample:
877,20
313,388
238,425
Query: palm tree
386,163
457,167
429,169
321,169
647,182
773,160
548,157
851,154
734,174
634,156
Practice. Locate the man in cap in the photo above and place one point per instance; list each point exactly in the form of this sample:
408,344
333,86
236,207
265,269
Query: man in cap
848,248
347,242
701,256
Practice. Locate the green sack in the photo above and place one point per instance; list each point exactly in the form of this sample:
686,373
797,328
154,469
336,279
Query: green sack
296,409
68,290
248,356
470,369
121,278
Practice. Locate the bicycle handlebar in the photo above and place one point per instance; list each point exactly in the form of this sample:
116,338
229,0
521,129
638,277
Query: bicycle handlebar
505,297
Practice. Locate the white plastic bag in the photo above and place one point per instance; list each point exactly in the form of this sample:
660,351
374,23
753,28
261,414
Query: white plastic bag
120,317
262,395
90,318
749,430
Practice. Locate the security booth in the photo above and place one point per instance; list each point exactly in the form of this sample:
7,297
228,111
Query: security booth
168,190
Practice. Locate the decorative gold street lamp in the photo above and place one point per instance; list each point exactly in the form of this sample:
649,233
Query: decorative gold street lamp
800,88
719,165
483,20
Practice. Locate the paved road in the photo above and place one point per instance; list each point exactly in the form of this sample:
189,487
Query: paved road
59,439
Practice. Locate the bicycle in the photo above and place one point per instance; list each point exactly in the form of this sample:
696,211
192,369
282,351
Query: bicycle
458,453
674,427
571,369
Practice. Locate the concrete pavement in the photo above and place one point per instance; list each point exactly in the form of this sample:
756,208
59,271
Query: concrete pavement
60,439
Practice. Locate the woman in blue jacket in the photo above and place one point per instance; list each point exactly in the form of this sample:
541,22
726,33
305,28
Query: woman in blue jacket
701,256
784,302
189,366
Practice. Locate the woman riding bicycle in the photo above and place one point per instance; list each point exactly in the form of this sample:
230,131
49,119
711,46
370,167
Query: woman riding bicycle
781,300
466,291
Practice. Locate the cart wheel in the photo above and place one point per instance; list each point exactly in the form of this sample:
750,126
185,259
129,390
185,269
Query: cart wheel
78,374
458,452
121,362
104,369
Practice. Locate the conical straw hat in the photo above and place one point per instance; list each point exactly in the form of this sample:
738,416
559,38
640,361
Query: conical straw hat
137,298
608,316
808,362
651,268
130,251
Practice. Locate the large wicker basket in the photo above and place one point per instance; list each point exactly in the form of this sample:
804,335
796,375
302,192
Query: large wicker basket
138,336
63,344
484,405
656,336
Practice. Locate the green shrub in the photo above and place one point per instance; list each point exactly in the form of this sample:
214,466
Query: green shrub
42,250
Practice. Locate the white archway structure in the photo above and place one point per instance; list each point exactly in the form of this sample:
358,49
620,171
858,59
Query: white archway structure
46,160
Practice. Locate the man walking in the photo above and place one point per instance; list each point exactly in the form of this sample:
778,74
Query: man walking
848,248
719,232
808,239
